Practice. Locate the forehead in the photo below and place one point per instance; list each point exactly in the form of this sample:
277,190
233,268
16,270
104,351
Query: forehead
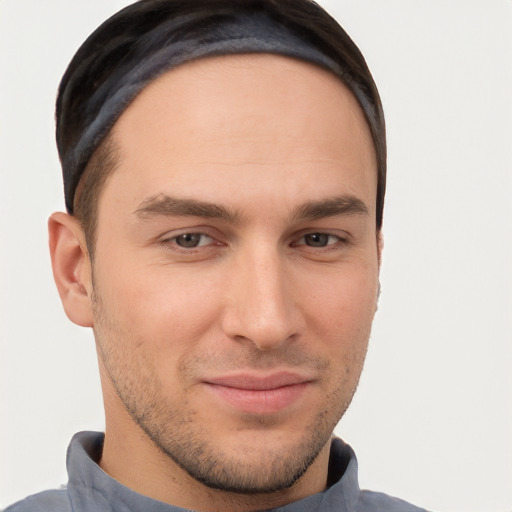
203,119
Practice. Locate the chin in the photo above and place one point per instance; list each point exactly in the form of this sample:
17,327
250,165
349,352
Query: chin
254,470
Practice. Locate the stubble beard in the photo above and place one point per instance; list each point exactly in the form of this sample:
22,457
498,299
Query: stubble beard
248,472
175,431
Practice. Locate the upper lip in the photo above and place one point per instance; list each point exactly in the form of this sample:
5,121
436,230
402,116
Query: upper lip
259,382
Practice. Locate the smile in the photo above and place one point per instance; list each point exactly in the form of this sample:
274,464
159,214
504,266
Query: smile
253,394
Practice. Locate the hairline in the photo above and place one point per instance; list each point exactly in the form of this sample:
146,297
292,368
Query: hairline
106,157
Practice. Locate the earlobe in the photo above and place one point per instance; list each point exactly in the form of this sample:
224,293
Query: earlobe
71,267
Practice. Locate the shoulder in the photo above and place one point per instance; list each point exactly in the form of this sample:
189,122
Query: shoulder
370,501
56,500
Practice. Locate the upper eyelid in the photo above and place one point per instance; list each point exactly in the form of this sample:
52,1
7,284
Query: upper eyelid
321,233
199,230
170,244
339,233
174,236
191,233
172,240
340,241
216,234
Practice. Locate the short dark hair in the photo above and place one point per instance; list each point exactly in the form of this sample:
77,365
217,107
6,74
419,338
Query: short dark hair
100,166
112,47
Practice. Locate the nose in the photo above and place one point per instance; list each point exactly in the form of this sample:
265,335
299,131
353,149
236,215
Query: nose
261,306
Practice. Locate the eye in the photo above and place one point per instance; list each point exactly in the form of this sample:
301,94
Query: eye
318,240
191,240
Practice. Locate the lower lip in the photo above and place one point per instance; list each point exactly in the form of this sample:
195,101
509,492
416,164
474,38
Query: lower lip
268,401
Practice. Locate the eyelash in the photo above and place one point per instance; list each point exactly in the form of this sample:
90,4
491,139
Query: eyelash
172,241
337,241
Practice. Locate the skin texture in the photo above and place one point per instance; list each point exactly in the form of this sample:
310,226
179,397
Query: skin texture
236,240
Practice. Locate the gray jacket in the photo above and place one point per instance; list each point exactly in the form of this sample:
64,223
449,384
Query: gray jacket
90,489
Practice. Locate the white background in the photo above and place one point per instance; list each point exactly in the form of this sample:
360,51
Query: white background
432,420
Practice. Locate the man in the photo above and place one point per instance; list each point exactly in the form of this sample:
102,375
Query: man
224,173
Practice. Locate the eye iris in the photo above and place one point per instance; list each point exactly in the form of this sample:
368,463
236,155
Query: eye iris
188,240
316,239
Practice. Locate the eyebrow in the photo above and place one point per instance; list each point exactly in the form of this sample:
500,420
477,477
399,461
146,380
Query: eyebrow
164,205
339,205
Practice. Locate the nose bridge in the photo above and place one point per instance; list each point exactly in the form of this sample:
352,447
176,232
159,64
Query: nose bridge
261,305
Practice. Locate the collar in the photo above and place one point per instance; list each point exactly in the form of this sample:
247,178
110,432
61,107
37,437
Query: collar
90,488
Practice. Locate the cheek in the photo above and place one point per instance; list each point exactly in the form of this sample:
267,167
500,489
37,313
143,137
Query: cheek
345,301
341,315
170,309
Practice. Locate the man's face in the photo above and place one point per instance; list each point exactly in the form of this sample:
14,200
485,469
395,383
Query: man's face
236,267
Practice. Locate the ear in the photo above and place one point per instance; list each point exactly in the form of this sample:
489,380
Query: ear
71,267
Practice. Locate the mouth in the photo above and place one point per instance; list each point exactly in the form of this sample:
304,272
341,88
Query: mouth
259,394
